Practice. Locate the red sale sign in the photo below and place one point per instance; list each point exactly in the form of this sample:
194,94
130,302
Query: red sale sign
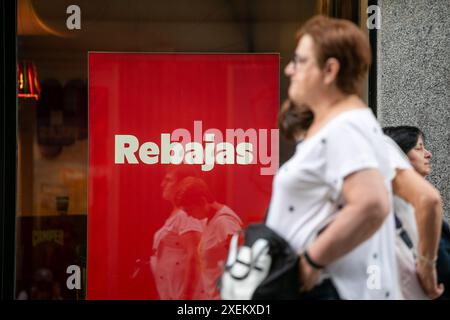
182,152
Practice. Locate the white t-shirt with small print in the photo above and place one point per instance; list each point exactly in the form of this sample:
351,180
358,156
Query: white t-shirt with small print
306,197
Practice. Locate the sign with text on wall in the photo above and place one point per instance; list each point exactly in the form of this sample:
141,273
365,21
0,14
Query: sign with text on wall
182,153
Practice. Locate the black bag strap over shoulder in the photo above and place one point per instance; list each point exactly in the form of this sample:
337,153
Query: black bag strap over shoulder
402,232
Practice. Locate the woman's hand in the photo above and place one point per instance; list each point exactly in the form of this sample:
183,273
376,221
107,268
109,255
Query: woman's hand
428,280
308,275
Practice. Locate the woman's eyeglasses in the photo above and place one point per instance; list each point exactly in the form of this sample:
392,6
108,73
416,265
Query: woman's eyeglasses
296,59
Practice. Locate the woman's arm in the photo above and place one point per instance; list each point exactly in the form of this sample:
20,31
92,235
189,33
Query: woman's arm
426,200
366,207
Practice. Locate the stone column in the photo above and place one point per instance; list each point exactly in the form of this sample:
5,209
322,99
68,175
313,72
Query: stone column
413,77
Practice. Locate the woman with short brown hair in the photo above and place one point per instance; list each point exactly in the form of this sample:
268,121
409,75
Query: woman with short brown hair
331,200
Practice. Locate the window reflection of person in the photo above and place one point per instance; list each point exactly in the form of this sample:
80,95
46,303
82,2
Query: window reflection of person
175,244
44,287
194,196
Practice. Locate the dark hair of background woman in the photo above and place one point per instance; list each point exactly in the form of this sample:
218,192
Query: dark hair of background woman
405,136
293,119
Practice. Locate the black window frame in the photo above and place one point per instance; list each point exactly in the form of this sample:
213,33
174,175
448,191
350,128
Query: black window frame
8,147
372,100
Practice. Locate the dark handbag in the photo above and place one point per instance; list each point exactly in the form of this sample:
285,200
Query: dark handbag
264,267
443,261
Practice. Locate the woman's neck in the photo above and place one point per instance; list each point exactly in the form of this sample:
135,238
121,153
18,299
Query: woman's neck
329,107
324,104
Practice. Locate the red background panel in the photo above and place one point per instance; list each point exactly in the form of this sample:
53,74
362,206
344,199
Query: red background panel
148,94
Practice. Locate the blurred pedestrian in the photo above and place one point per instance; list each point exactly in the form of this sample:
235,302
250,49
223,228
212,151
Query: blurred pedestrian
331,200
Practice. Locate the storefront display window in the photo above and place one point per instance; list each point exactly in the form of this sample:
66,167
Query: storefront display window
58,42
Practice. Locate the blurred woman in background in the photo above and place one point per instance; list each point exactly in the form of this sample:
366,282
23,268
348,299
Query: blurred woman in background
430,235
